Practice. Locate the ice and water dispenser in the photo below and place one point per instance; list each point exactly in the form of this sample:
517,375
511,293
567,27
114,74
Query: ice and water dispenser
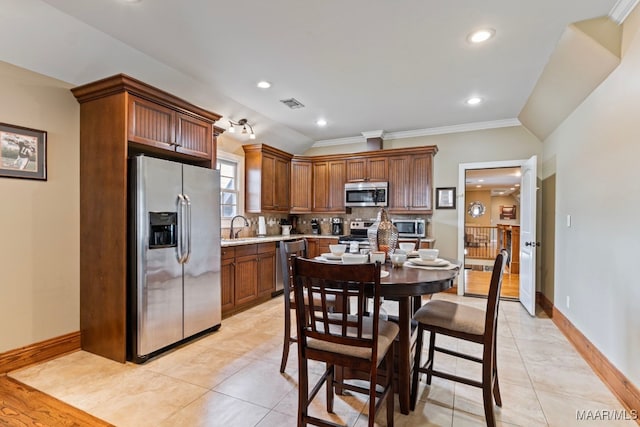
162,230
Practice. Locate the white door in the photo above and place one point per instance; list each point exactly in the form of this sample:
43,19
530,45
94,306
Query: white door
528,242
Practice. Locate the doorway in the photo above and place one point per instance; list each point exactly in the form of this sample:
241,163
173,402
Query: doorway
490,219
492,204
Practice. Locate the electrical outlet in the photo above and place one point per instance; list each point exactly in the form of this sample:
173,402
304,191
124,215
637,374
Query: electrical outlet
568,301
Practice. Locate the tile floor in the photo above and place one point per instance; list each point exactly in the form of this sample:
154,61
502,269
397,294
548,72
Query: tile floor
231,378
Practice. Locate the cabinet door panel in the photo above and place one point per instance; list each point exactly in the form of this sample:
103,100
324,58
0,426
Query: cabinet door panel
301,186
227,288
320,186
266,273
421,191
399,181
280,185
356,170
193,136
150,123
378,169
268,179
336,178
246,283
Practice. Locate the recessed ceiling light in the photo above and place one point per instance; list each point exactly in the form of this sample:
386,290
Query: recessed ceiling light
478,186
474,100
481,35
481,180
321,122
512,189
263,84
517,185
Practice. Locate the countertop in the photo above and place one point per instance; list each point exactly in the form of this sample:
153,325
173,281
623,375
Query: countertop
279,238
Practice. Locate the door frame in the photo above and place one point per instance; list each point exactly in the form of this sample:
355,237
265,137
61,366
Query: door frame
462,170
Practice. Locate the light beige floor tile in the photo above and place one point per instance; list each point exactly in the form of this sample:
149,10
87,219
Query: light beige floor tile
564,411
277,419
141,398
519,404
199,365
259,383
217,410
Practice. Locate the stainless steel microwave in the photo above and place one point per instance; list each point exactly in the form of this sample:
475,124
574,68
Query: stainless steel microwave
410,227
363,194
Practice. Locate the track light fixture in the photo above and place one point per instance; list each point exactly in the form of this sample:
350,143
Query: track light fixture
244,123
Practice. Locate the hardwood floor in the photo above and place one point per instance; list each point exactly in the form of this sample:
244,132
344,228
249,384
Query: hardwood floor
21,405
477,283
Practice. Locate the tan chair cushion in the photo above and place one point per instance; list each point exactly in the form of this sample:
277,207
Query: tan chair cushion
449,315
387,333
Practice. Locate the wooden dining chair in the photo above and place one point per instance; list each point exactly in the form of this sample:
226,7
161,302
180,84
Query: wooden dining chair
466,323
359,341
288,248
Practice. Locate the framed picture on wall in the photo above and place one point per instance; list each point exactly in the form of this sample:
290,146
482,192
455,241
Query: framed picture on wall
23,152
446,198
508,212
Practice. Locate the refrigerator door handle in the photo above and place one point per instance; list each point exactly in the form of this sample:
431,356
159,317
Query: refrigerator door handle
187,229
180,248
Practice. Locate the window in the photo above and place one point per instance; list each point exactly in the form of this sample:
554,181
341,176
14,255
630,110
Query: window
229,188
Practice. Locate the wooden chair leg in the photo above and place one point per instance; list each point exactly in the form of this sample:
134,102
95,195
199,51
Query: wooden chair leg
329,386
488,385
416,370
496,385
286,342
432,348
390,394
303,392
372,400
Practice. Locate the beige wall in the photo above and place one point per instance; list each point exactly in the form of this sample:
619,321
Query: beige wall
39,253
595,152
510,143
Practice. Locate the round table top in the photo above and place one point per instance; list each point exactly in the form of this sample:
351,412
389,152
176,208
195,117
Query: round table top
410,281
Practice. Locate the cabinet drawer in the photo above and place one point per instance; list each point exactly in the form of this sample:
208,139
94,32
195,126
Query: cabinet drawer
266,247
228,253
245,250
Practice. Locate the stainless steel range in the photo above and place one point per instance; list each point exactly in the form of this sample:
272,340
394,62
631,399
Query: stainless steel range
358,235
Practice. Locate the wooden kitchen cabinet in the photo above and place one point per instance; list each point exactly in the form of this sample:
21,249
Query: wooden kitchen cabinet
161,127
301,186
367,168
248,276
266,269
121,116
411,182
328,185
319,245
267,179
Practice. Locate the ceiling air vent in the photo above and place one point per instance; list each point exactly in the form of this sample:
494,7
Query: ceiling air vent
292,103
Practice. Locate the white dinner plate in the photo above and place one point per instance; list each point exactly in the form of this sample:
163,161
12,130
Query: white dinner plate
383,274
331,257
438,262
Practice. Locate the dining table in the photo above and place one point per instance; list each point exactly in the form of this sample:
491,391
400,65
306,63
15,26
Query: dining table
407,285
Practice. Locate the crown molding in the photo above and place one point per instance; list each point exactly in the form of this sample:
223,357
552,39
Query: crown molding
373,134
621,10
467,127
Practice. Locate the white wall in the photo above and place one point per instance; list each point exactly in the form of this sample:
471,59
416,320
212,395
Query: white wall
594,154
40,239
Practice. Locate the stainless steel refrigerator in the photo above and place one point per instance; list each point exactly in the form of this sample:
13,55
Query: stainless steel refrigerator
174,289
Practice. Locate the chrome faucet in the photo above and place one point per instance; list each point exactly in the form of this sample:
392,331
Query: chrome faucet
246,224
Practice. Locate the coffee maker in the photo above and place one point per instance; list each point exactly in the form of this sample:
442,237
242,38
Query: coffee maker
336,226
315,226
